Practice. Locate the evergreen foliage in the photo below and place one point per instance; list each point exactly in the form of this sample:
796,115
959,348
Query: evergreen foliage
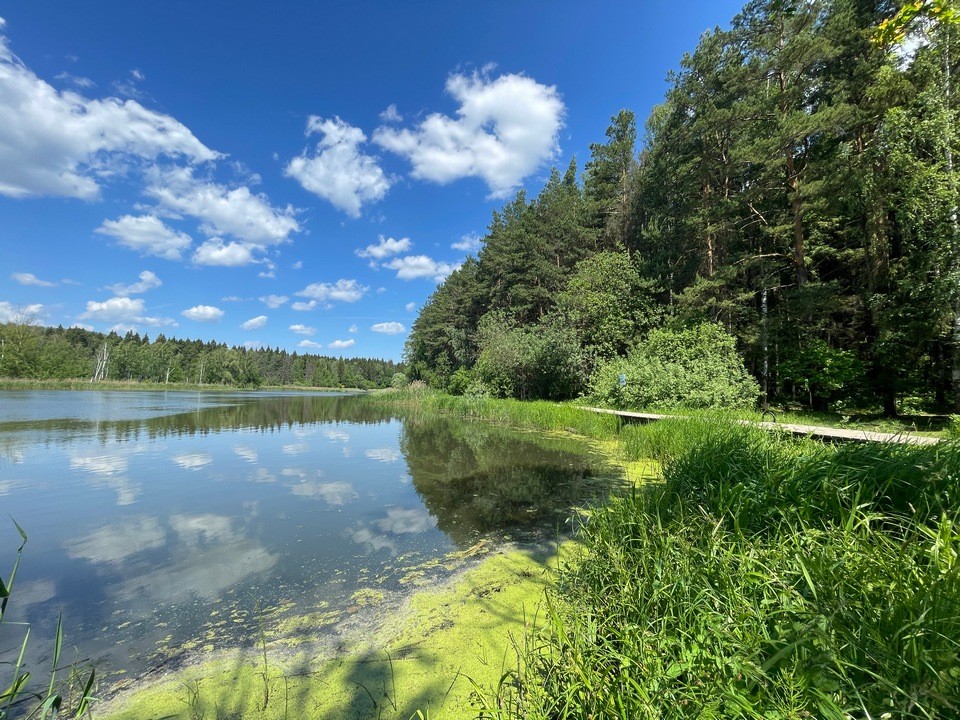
797,186
30,351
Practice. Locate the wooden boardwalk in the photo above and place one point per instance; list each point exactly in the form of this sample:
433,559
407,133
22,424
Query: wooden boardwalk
814,431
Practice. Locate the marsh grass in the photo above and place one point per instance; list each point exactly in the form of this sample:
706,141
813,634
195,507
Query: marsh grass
763,578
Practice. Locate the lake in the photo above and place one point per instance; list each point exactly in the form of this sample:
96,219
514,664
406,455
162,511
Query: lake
162,523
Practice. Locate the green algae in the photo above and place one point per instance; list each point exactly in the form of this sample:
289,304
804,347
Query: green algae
429,655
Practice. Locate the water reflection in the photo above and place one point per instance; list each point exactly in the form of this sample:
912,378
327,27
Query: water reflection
112,544
286,499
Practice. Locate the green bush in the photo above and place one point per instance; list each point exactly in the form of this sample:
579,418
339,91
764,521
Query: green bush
695,367
543,362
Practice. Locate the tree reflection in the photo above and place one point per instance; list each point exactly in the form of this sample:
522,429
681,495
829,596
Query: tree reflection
477,478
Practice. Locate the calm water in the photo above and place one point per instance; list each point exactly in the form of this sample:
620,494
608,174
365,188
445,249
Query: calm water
163,522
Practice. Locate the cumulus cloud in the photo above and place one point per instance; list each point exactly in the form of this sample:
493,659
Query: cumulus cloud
303,329
123,310
221,210
255,323
12,313
214,252
353,329
504,130
388,328
58,143
337,171
469,243
203,313
274,301
148,281
410,306
310,344
30,279
420,266
391,114
340,291
385,248
301,306
342,344
146,234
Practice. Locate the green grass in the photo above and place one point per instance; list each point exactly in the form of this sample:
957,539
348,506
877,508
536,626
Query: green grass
763,578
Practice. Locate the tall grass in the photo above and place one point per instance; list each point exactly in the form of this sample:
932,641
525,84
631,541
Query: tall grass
763,578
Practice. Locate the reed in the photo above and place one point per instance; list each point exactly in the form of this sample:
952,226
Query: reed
763,578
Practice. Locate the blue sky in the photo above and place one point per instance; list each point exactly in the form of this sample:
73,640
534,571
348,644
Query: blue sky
295,175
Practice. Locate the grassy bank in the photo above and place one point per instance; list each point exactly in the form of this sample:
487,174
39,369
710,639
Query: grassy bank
764,577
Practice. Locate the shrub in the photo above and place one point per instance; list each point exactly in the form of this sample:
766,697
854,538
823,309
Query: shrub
696,367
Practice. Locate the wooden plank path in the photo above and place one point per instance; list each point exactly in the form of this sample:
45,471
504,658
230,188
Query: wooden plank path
815,431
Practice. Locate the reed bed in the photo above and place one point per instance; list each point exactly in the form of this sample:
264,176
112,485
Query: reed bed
763,579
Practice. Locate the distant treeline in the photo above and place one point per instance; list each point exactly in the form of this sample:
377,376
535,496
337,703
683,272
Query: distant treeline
798,188
29,351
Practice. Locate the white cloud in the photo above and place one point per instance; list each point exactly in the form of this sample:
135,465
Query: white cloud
203,313
385,248
391,114
123,310
297,265
353,329
255,323
148,281
148,235
59,143
388,328
304,306
274,301
310,344
214,252
338,172
303,329
77,80
13,313
231,298
340,291
420,266
341,344
504,130
31,279
470,242
222,210
410,306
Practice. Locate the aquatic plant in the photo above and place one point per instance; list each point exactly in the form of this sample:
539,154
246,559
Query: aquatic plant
16,699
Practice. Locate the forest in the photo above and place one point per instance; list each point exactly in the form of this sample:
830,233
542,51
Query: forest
46,353
784,229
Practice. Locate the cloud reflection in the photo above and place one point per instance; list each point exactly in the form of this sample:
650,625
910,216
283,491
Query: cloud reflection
109,472
400,522
246,453
386,455
192,461
115,543
333,493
